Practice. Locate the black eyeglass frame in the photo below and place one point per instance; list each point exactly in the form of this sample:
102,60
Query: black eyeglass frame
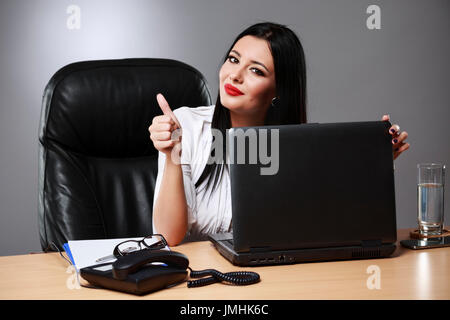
154,246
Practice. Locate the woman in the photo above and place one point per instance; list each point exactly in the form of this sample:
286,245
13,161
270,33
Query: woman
262,81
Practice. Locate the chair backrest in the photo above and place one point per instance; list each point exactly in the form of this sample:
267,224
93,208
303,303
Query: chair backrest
97,164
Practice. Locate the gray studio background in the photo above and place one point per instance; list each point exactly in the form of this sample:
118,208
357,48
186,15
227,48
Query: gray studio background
354,74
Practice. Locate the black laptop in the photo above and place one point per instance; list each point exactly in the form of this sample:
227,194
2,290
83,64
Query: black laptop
331,198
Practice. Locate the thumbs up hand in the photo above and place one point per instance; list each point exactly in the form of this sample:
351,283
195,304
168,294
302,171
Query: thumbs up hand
165,130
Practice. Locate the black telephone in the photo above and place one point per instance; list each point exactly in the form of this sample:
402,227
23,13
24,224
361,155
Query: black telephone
137,273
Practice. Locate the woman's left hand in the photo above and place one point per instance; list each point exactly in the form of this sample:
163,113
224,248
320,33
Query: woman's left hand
398,138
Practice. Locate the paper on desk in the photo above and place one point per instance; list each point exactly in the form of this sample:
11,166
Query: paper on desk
86,252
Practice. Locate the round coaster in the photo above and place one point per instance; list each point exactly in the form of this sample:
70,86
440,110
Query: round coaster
417,235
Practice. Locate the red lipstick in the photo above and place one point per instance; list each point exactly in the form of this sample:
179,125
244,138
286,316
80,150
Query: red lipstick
232,91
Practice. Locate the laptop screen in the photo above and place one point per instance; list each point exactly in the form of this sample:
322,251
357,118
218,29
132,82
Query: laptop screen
312,185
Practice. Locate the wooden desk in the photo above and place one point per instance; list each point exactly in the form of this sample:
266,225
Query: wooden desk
408,274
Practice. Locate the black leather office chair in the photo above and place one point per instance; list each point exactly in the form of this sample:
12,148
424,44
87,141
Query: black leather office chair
97,164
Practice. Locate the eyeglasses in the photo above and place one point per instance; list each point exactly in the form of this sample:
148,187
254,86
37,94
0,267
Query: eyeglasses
151,242
154,241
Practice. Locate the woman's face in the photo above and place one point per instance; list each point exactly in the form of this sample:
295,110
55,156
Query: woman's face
247,78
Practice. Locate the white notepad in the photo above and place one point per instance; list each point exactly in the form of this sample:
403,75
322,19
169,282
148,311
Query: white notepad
86,252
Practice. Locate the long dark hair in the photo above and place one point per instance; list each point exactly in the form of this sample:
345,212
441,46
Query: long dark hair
290,82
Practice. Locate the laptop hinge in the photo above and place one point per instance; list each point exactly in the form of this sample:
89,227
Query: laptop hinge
371,243
260,249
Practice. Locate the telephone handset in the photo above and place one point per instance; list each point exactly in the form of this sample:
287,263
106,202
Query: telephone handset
130,263
145,271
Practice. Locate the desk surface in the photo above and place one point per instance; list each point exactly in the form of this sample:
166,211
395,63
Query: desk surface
408,274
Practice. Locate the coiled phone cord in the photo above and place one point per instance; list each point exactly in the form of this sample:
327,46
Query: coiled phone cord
240,278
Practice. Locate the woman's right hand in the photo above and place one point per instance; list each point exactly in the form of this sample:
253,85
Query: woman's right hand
165,131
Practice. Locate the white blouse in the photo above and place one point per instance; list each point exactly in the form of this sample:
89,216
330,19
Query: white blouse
208,212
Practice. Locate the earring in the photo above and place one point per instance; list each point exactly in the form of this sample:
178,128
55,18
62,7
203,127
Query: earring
274,101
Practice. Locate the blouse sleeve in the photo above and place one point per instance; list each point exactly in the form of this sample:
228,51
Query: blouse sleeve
189,187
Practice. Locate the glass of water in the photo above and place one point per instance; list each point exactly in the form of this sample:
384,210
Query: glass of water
430,198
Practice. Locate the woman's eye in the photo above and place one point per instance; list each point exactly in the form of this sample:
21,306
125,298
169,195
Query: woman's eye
232,59
257,71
